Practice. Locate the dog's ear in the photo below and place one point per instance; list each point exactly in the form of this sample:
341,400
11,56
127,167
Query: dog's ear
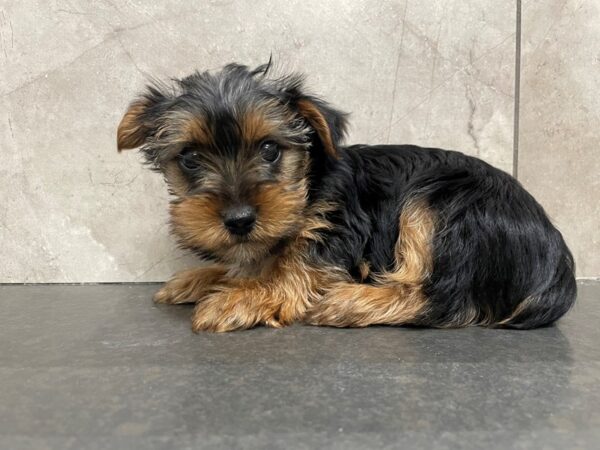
140,119
329,124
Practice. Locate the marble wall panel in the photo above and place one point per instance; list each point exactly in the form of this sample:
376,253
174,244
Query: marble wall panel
73,210
559,151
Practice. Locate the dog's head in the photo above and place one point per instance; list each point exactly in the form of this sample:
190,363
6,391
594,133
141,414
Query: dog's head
237,149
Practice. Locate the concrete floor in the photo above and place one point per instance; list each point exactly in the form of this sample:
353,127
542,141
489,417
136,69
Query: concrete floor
89,367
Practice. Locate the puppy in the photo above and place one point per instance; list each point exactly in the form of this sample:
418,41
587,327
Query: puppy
297,227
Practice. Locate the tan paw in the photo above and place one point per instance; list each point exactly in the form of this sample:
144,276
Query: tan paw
172,296
189,286
233,309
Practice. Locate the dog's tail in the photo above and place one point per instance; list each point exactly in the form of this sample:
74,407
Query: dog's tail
549,301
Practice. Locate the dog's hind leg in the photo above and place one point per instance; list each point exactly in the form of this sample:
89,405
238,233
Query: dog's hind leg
361,305
396,297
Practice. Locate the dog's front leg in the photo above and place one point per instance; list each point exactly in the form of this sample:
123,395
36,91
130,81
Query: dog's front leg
275,301
190,286
248,303
242,305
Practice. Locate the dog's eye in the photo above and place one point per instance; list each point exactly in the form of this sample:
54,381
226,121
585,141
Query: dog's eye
189,160
270,151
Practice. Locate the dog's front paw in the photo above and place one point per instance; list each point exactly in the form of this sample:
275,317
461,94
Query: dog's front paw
190,286
233,309
171,293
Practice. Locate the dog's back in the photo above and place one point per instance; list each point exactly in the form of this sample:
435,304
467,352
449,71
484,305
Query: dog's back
497,259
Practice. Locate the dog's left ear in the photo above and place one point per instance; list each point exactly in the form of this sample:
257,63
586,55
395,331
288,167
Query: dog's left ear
132,132
140,121
329,124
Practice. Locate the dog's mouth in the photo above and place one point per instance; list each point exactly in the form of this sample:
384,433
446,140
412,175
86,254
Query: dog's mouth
253,241
256,245
240,240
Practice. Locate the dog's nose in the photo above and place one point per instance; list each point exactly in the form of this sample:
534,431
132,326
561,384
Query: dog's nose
240,220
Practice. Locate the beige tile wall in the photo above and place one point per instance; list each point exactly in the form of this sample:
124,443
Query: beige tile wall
431,73
559,151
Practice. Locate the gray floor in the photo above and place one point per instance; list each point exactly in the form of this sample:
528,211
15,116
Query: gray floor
102,367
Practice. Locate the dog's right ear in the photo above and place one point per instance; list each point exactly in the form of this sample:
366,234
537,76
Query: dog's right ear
328,124
140,120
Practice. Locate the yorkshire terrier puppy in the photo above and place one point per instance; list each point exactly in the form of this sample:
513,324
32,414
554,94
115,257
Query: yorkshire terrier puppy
298,228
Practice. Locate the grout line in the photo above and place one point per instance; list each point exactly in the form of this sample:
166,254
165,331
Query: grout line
516,112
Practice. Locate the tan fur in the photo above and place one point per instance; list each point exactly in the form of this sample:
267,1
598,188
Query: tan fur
364,269
361,305
179,129
271,290
256,125
275,297
396,297
190,286
195,130
197,222
414,261
281,210
311,113
131,132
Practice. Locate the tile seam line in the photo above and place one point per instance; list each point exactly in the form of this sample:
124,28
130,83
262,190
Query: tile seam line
517,91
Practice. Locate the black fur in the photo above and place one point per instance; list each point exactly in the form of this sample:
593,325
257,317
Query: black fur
494,246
